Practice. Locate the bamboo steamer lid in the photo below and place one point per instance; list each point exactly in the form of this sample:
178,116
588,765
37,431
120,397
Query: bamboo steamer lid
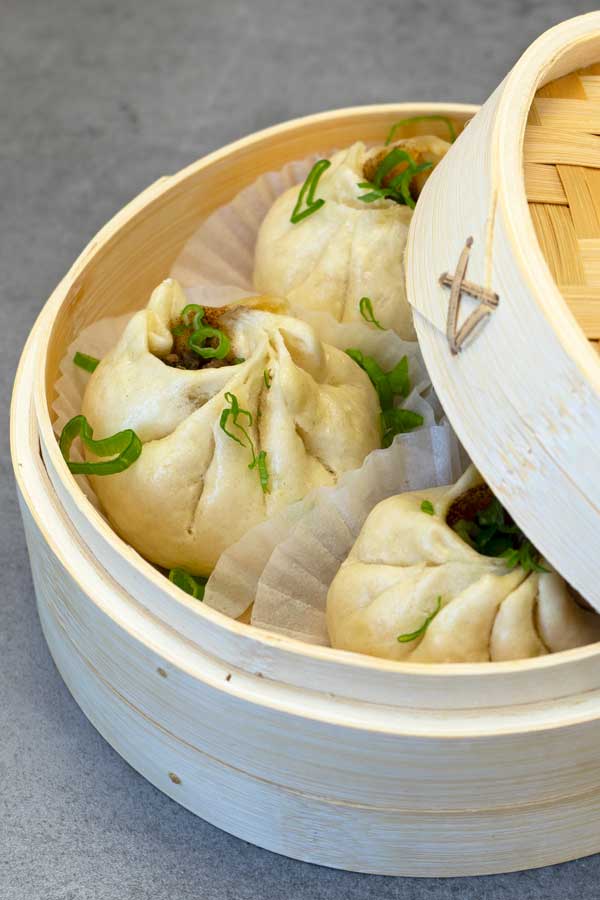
503,273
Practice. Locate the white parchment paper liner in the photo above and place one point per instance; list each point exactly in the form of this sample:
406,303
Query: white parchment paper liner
95,340
287,563
221,250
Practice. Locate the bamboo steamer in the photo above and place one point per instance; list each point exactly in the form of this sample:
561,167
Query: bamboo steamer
523,393
386,787
323,755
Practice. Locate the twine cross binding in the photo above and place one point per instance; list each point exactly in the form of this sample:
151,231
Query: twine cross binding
488,302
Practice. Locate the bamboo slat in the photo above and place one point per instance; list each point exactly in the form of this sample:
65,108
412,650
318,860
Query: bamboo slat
591,86
543,185
562,182
561,145
562,113
558,240
569,86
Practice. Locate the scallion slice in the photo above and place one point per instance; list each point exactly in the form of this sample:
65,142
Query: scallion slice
525,556
411,119
399,187
399,378
306,197
89,363
378,377
427,507
492,533
366,310
202,334
197,311
125,447
394,420
398,421
191,584
413,635
233,412
393,159
260,462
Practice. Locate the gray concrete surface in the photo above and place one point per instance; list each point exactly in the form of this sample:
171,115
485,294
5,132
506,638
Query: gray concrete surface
97,99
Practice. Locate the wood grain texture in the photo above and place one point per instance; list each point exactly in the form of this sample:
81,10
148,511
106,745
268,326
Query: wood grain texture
543,184
561,134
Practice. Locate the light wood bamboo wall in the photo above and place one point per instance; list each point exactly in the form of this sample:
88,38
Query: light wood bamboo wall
562,176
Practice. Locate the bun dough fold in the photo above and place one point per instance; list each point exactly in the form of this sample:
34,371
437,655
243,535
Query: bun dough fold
405,559
347,249
191,493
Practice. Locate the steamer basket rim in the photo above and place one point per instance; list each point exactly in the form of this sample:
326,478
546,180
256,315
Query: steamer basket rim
427,731
45,320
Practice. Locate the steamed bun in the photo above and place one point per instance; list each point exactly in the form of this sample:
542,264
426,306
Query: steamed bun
306,406
347,249
409,566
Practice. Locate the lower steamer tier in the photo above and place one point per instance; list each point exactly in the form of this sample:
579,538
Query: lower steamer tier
348,784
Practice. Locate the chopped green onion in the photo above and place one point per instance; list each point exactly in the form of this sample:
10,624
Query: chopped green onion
411,119
366,310
378,377
379,194
490,534
427,507
234,411
191,317
389,162
89,363
399,378
204,333
198,314
525,556
465,530
512,556
396,382
191,584
125,447
398,421
405,180
492,514
399,188
307,193
413,635
268,378
260,462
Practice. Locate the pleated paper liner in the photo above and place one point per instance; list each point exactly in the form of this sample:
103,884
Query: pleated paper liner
286,564
426,457
215,268
222,248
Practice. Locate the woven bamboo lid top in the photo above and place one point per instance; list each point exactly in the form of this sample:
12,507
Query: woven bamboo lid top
562,178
